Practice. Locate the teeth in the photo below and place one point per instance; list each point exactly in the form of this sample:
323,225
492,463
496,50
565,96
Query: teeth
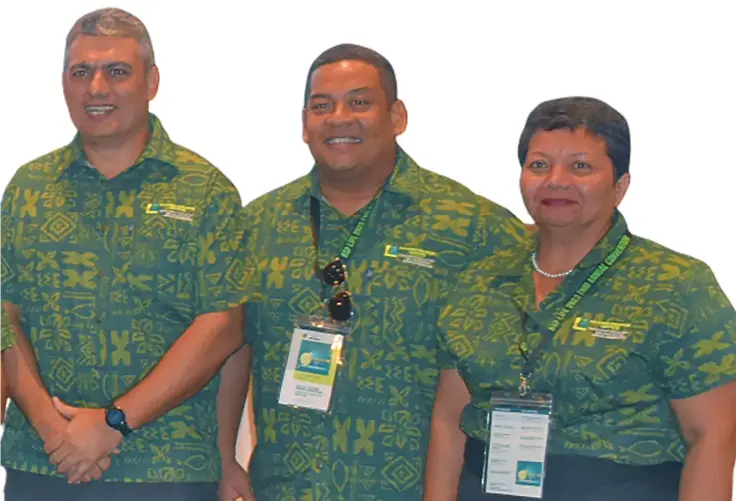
99,110
342,140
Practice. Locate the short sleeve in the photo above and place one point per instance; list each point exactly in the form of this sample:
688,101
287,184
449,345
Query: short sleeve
9,289
252,215
698,352
225,267
8,332
453,326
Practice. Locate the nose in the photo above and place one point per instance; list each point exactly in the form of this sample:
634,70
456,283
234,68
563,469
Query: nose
341,114
559,177
98,84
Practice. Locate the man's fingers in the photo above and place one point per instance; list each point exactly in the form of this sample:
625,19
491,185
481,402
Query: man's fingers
59,456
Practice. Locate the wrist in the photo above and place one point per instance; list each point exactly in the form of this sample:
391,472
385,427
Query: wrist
116,420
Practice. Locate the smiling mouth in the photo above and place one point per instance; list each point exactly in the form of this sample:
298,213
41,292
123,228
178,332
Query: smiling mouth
344,140
558,202
99,110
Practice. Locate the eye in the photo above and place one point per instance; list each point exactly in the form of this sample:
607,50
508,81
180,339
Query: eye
118,72
537,165
361,102
79,73
318,106
582,166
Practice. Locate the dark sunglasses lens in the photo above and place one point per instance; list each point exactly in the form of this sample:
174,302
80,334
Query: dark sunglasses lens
334,273
340,307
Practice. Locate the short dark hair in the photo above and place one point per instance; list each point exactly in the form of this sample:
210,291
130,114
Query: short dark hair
352,52
594,115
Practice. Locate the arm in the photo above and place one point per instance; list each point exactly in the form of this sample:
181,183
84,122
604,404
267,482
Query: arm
701,386
231,397
25,386
708,425
192,361
231,400
447,440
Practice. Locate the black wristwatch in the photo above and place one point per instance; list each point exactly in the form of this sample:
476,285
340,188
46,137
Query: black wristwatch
115,418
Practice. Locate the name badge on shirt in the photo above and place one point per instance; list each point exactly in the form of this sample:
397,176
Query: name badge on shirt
518,435
181,212
315,356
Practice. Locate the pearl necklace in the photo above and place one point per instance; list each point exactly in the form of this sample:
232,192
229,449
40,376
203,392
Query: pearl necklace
544,273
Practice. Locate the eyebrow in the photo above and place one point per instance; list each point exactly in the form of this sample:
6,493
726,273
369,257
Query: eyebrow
88,65
542,154
351,91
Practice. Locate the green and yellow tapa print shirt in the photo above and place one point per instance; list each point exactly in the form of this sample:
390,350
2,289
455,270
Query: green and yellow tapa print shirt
108,273
372,445
8,333
655,327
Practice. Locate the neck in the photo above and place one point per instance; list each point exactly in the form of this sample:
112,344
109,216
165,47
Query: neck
350,191
111,158
561,249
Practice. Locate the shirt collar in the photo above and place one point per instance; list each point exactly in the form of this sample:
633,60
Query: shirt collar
517,262
403,181
159,147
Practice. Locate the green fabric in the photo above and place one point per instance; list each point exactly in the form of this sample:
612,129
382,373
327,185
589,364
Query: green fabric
373,444
611,396
8,333
105,287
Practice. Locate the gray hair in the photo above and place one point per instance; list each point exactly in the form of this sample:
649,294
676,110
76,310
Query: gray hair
116,23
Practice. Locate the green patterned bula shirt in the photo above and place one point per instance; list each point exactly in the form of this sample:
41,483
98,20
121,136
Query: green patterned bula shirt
108,273
372,446
655,327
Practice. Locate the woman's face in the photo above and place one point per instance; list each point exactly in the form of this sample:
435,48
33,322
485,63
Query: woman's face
568,180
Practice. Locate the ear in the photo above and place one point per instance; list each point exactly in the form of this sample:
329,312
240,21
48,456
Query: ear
152,81
305,134
621,186
399,117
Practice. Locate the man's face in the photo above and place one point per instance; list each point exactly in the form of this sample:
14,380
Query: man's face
348,122
107,88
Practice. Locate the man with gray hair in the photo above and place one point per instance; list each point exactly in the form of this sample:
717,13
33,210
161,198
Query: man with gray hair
124,272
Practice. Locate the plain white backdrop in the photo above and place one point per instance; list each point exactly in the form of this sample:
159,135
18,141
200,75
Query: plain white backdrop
233,75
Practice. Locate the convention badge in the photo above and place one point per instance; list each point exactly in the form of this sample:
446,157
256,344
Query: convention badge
315,357
518,436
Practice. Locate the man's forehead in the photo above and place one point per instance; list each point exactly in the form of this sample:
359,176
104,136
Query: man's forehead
103,49
347,71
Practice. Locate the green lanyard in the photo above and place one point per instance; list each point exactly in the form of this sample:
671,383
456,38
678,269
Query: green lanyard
562,313
352,241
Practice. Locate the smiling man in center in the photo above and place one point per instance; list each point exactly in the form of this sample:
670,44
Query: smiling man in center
369,240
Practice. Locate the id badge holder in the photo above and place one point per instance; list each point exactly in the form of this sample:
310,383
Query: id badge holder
518,436
315,357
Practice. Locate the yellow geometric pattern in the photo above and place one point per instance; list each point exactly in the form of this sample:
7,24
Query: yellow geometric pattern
372,446
106,286
656,327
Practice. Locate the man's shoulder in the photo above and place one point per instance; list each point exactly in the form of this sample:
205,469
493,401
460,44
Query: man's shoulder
196,170
446,190
276,197
43,168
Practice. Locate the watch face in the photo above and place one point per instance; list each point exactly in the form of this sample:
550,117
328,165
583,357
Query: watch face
115,418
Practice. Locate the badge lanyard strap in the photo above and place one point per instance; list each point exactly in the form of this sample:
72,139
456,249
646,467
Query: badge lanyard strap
530,360
349,246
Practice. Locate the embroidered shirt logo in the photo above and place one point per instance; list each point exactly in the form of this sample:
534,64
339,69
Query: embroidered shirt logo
181,212
602,329
411,255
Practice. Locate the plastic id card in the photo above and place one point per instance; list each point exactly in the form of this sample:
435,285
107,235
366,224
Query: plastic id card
518,436
315,357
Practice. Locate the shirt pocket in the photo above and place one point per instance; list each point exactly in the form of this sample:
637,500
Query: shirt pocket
163,264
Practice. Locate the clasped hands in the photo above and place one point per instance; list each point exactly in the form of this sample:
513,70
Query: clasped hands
82,451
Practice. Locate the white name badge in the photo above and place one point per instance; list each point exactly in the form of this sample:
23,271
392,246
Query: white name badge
309,376
517,446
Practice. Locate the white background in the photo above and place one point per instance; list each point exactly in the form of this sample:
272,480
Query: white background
233,74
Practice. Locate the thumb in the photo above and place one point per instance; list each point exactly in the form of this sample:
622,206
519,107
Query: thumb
65,410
